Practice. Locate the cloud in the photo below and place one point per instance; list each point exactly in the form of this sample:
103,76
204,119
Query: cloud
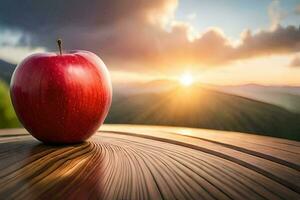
295,62
32,14
136,33
44,21
275,13
113,29
14,54
279,41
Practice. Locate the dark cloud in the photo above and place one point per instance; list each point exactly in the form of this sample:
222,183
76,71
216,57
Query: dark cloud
74,19
295,62
131,31
280,40
35,15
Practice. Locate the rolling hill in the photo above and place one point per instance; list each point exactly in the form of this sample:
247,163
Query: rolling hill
204,108
285,96
8,118
6,70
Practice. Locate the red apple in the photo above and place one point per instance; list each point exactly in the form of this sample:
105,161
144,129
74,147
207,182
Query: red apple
61,98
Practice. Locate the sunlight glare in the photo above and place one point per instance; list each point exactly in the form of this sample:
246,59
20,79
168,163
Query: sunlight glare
186,79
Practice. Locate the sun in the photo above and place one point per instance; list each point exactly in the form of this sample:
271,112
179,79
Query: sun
186,79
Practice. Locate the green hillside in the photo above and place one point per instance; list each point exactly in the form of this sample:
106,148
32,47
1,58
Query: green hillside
204,108
8,118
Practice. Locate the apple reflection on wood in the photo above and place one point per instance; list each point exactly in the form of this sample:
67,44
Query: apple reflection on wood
61,98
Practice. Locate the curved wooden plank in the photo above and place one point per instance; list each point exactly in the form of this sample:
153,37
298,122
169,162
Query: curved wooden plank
150,162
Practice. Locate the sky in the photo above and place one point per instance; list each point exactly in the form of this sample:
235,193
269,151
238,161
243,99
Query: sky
224,42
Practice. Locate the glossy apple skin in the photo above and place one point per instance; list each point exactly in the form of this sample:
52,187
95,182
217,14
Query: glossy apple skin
61,98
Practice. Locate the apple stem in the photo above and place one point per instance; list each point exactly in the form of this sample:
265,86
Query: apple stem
59,43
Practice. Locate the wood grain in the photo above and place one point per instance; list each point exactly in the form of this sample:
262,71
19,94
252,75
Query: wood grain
150,162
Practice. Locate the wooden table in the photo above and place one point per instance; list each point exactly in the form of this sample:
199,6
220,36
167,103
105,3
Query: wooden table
150,162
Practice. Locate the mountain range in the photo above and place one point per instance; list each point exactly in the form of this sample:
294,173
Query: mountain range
287,97
265,110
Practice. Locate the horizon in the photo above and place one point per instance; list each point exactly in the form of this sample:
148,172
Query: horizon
174,79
